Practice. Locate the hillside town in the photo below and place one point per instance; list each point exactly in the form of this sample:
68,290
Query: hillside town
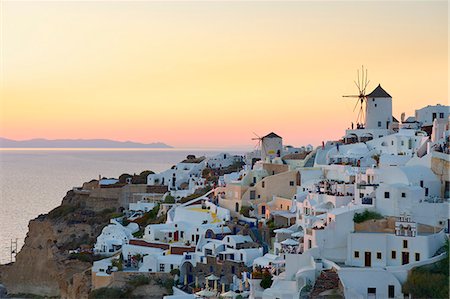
350,218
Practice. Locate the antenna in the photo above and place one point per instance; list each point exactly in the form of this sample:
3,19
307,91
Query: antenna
361,83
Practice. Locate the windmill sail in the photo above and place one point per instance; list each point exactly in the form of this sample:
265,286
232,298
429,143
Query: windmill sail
361,84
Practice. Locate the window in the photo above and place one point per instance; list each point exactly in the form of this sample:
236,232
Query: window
281,206
309,244
371,290
426,191
393,254
287,208
232,270
392,142
263,184
441,115
405,243
171,266
434,116
182,234
403,194
161,267
375,105
391,291
417,256
252,194
421,184
356,254
379,124
379,255
291,183
386,195
402,142
170,235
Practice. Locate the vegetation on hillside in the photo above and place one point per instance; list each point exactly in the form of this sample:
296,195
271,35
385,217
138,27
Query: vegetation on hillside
138,280
169,199
150,217
198,193
108,293
430,281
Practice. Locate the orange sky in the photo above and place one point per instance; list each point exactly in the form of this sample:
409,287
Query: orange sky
210,73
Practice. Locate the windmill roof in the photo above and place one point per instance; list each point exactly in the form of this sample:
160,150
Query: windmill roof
379,92
272,135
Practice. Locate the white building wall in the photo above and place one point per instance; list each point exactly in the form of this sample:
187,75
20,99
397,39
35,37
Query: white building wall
425,245
378,113
271,147
425,115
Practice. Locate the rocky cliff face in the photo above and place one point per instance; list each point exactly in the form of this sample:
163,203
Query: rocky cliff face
43,266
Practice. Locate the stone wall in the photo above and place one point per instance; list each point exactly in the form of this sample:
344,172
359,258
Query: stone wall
223,270
440,165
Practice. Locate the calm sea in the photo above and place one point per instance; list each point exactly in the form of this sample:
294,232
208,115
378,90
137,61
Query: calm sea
34,181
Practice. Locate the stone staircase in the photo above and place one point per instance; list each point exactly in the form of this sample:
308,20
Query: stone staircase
310,161
327,285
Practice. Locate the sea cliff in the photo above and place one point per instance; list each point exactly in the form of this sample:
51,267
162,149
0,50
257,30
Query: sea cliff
44,265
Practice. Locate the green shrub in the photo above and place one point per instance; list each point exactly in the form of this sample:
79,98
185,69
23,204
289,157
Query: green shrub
424,284
175,272
366,215
62,211
26,295
109,293
266,281
166,283
117,263
139,234
84,257
245,210
148,217
108,211
430,281
139,280
169,199
197,194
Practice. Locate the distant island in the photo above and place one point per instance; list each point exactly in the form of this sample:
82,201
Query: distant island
77,143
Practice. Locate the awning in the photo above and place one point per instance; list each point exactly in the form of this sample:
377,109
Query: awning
290,242
206,293
212,277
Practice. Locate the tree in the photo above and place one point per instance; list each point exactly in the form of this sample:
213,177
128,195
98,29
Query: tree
266,281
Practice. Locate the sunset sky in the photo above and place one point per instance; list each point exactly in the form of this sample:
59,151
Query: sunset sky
208,74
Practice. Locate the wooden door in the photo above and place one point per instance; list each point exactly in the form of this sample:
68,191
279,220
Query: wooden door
405,258
367,259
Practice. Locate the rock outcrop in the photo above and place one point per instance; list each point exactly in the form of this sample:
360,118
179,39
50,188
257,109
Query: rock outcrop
44,266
